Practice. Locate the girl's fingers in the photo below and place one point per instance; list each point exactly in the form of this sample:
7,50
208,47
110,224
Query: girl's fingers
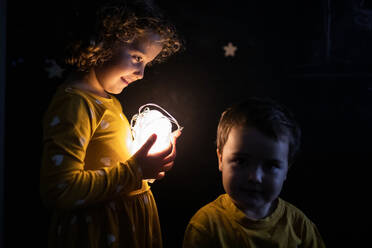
164,153
160,175
168,166
147,145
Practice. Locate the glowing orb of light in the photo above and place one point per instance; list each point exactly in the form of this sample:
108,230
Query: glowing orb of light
149,121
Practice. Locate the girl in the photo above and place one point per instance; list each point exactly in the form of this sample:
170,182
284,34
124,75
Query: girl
95,188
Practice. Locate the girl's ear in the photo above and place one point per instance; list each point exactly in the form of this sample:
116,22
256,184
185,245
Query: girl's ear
219,156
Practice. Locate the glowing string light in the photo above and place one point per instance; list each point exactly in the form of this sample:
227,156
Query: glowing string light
149,121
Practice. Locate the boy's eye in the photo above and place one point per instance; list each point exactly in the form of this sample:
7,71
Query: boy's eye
272,166
238,160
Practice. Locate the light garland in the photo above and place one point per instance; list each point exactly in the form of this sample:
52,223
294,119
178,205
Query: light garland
149,121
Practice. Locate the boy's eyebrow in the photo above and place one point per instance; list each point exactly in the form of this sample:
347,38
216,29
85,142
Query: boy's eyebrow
242,154
249,155
275,160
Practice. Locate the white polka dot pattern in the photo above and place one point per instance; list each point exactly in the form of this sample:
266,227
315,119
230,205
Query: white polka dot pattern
119,188
88,219
55,121
104,124
112,205
110,239
73,220
145,199
106,161
82,141
57,159
79,202
62,185
91,113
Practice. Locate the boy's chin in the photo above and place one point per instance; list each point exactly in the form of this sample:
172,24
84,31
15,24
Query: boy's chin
250,201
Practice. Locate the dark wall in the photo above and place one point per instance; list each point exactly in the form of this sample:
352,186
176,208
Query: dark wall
2,112
285,51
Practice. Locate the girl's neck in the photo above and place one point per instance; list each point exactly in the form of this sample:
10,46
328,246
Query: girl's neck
88,82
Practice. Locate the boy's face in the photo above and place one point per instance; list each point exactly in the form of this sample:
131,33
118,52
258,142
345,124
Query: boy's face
254,167
128,63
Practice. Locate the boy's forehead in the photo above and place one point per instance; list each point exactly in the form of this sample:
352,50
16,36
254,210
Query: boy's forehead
250,141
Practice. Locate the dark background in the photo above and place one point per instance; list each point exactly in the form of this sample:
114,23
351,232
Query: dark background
311,57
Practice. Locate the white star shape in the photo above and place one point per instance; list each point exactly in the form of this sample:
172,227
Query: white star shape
54,70
230,50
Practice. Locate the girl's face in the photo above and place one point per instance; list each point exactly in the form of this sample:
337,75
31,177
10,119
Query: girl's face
254,168
128,63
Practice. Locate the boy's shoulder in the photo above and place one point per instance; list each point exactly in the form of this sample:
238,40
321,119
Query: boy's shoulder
219,204
212,211
293,212
223,207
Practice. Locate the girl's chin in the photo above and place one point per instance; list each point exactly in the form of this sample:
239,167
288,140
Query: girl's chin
115,91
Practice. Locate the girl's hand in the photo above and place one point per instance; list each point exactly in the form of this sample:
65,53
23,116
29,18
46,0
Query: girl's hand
155,165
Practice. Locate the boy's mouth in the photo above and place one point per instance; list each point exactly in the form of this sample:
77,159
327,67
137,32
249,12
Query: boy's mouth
251,191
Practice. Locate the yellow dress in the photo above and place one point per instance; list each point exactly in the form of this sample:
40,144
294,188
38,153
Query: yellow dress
95,192
220,224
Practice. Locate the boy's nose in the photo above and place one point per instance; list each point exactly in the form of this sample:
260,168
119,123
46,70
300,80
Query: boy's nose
255,174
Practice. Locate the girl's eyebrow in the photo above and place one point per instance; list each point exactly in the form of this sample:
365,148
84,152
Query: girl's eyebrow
135,50
135,47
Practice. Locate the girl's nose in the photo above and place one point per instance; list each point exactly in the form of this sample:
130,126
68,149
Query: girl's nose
140,72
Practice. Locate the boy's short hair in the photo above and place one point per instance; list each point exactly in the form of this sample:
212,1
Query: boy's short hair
121,22
267,116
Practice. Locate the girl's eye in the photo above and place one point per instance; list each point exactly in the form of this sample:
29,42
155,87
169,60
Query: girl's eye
137,59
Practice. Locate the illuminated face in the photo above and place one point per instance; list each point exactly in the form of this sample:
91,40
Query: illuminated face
254,168
128,64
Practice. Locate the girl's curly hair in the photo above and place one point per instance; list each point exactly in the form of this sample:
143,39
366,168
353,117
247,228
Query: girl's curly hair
118,24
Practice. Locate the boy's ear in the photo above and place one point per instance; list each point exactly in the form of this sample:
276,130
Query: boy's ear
219,156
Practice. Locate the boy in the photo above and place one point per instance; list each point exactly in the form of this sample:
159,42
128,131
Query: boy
257,141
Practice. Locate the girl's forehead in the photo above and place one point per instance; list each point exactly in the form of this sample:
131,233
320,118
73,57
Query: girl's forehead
146,40
149,46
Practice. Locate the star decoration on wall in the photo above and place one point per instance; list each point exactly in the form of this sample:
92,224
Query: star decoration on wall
18,61
230,50
53,69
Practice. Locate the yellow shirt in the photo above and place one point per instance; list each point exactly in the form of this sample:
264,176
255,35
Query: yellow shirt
221,224
94,190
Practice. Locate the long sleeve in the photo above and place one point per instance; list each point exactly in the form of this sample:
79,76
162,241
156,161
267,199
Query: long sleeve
70,125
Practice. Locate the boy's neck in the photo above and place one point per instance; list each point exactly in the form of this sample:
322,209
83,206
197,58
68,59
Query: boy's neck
260,213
